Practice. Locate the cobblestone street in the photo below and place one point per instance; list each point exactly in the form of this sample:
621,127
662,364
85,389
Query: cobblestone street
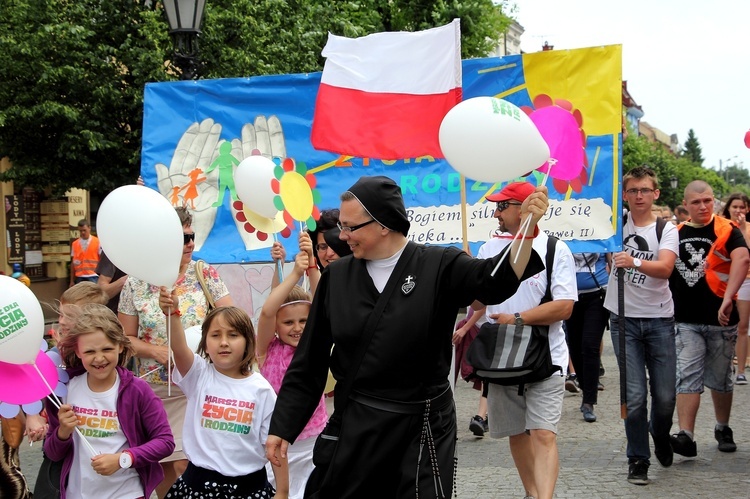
592,455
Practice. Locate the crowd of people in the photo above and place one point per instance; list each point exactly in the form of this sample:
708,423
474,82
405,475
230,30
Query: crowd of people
244,414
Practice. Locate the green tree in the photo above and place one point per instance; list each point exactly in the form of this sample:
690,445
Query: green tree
638,151
71,98
692,149
73,73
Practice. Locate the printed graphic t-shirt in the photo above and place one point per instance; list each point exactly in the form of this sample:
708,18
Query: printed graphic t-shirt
226,420
645,296
695,303
98,421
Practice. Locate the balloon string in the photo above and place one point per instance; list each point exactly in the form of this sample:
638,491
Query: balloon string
150,372
169,353
523,230
58,403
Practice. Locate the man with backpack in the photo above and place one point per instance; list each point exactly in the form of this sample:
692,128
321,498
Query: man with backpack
711,266
648,256
529,414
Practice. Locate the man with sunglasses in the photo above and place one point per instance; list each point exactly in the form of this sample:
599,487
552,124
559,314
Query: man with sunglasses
397,434
530,421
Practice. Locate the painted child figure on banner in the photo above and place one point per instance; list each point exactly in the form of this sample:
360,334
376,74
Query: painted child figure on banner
119,415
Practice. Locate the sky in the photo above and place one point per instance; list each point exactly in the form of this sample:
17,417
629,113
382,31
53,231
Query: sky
687,62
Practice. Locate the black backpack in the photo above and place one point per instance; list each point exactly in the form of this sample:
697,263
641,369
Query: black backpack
506,354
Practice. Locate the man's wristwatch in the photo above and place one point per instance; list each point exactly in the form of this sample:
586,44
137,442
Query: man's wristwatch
519,319
637,263
126,459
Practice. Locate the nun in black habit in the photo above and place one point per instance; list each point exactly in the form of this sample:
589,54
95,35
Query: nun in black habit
382,321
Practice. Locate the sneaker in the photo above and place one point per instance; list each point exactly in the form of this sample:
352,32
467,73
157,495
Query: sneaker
571,383
741,380
663,450
588,413
683,445
486,425
638,472
725,439
600,387
476,425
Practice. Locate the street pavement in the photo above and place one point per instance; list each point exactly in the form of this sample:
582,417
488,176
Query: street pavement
593,463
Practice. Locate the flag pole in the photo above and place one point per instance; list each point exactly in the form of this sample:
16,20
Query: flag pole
464,223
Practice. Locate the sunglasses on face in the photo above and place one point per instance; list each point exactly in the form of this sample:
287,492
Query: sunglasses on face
503,205
186,238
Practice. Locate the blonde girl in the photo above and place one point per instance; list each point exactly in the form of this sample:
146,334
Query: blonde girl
280,326
119,415
229,408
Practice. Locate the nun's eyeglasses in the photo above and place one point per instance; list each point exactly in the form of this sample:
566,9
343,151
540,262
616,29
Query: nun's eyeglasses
351,229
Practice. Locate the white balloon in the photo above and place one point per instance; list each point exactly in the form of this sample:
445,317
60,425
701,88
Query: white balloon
141,234
491,140
252,181
21,322
193,336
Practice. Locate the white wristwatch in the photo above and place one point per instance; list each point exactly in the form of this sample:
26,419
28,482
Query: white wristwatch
637,263
126,460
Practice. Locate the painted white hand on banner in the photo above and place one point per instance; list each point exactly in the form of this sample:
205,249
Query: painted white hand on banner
266,137
186,181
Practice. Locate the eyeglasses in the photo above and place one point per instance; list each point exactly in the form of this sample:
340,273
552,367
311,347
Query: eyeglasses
322,247
643,192
186,238
503,205
353,227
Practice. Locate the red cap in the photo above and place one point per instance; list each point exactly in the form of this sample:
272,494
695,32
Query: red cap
517,191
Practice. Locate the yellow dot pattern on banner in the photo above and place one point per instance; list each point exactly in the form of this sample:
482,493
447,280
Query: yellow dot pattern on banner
297,196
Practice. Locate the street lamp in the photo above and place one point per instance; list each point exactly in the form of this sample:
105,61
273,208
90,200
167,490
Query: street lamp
673,183
185,18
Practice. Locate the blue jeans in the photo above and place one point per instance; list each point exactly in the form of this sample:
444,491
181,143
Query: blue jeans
649,343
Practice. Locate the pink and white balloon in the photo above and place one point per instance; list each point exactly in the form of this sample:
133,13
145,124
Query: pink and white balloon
491,140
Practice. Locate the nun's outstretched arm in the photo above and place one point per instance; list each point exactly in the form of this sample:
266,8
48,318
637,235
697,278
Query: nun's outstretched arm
535,206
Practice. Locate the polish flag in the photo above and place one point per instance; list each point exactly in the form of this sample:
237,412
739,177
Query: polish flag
384,95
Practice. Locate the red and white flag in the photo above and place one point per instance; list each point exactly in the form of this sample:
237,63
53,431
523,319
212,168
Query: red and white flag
384,95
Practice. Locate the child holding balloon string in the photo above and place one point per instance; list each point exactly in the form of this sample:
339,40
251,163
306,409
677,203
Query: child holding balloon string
123,421
280,326
229,408
68,308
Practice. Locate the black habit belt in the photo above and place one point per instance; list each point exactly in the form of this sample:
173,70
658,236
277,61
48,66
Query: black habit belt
436,404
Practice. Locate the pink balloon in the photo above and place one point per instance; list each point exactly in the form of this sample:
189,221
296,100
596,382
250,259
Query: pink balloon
21,383
747,139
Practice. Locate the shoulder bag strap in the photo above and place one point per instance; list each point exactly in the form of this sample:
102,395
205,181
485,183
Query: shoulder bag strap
549,261
199,265
345,386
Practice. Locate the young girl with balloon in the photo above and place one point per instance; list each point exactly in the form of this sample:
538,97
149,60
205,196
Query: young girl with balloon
229,408
282,320
123,422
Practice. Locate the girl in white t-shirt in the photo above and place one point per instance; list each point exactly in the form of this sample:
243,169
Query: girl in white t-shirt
120,417
280,326
229,408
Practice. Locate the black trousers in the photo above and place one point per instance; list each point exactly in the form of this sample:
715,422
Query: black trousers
585,330
378,454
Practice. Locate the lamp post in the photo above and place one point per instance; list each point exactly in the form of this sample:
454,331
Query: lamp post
185,18
673,183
